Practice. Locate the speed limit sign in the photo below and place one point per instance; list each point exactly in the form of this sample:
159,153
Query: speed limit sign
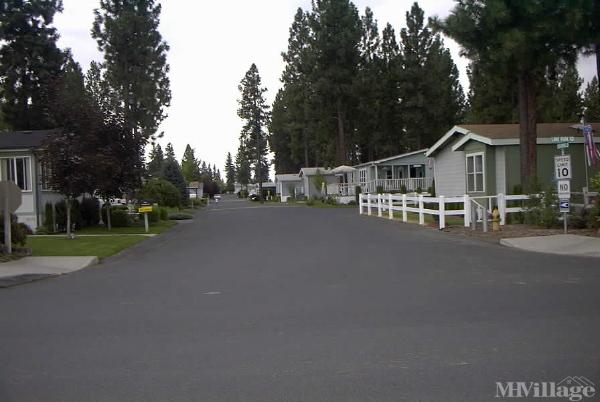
562,167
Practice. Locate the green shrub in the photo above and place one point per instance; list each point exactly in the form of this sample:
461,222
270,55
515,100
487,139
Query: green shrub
431,190
119,218
163,213
162,192
330,200
379,189
542,210
18,231
90,209
154,216
49,217
579,219
310,201
357,193
403,189
60,209
242,194
419,190
198,202
180,216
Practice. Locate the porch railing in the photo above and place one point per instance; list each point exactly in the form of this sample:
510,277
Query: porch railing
411,184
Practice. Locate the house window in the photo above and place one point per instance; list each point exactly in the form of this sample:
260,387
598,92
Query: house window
475,173
18,170
362,176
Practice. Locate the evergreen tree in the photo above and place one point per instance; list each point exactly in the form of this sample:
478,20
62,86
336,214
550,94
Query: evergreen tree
432,98
336,27
563,101
521,39
189,165
493,97
255,113
243,169
172,173
29,61
157,161
135,57
591,100
229,173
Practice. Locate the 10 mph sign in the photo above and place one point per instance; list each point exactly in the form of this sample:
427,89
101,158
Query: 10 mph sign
562,167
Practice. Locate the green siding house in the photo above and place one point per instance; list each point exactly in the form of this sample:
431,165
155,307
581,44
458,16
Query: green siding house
484,159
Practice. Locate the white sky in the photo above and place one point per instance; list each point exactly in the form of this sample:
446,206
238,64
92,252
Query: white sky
213,43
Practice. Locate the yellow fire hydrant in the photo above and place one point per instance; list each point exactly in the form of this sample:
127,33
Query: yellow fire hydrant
495,220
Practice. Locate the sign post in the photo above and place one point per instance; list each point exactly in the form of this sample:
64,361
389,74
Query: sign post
10,200
145,208
563,175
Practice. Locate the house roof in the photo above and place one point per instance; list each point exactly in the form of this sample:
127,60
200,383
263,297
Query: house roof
507,134
313,171
24,139
391,158
195,184
287,177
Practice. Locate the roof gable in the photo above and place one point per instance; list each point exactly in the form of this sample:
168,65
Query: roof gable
24,139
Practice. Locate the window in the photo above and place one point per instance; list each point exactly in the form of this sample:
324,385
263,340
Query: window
475,173
362,176
17,170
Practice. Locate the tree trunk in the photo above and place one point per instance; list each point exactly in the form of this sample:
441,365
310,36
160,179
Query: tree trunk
597,46
305,137
68,205
527,129
341,137
259,163
108,211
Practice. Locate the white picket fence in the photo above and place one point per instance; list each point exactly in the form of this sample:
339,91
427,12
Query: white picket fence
472,207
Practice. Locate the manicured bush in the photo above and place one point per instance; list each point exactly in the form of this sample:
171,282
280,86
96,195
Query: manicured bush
49,217
18,231
90,208
379,189
180,216
198,202
119,217
154,216
163,214
357,192
162,192
403,189
60,209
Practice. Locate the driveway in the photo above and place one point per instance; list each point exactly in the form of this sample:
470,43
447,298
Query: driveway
266,302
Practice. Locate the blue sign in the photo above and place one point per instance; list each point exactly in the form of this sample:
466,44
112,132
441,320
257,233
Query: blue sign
565,206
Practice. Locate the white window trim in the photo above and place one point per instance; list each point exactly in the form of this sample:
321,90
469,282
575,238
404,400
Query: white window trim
14,159
473,155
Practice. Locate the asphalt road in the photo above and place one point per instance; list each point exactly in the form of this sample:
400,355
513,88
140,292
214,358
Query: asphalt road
272,303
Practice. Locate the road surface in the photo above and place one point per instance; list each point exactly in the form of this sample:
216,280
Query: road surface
275,303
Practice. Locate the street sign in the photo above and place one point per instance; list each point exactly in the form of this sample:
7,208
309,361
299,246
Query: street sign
556,140
145,206
10,196
10,200
562,167
562,145
564,189
565,206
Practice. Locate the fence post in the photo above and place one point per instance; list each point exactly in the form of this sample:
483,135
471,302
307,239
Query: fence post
379,206
404,214
467,210
421,210
369,204
502,208
391,206
360,204
442,211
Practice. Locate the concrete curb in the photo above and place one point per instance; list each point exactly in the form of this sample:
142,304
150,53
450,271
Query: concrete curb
570,245
31,269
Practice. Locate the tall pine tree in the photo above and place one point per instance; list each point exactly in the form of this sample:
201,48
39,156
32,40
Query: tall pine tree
189,165
229,173
135,58
254,111
29,62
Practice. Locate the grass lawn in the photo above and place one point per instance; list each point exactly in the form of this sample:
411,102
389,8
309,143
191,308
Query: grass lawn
101,247
155,228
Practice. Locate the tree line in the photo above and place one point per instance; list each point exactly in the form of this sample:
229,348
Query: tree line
106,117
352,92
